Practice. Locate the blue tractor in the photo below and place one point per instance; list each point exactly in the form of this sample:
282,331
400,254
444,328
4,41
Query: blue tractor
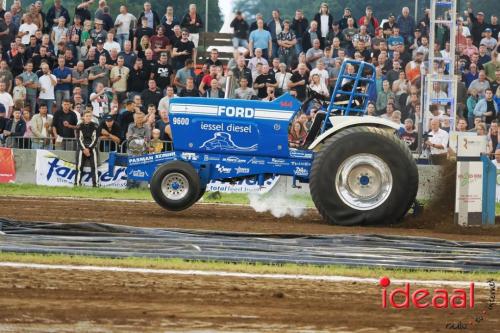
358,170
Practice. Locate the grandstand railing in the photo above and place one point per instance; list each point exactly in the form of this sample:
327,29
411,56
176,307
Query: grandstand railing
69,144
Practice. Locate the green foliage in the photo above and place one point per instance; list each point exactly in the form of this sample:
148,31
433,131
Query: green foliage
135,7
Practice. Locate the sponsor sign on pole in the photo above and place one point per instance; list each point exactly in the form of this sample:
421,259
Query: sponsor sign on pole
51,170
7,167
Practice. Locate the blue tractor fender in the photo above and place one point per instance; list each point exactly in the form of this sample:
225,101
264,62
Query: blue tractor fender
341,123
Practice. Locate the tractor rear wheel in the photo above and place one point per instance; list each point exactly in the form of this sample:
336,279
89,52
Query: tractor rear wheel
175,186
363,175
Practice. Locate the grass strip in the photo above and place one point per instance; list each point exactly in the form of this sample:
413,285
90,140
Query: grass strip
258,268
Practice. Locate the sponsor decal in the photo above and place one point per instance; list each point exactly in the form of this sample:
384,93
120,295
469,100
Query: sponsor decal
139,174
235,111
300,154
240,170
246,185
222,169
256,161
190,156
141,159
233,159
301,163
208,158
278,162
300,171
223,127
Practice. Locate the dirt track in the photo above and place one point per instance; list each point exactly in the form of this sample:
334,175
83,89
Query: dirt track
217,217
91,302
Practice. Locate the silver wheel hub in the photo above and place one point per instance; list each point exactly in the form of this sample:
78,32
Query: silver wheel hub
363,181
175,186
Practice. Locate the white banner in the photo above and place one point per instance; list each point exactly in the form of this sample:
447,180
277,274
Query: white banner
54,171
51,170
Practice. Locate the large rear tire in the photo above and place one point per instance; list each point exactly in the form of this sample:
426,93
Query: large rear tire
175,186
363,175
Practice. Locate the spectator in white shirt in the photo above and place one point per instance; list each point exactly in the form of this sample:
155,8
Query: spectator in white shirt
27,29
283,78
58,31
164,103
123,24
322,72
6,99
111,44
318,85
47,83
437,143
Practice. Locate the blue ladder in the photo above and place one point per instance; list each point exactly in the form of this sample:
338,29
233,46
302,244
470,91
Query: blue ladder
359,79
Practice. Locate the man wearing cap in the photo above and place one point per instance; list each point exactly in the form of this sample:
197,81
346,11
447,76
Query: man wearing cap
98,33
101,51
109,131
478,26
489,41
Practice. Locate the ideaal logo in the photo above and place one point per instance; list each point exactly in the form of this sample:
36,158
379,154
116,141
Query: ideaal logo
422,298
439,299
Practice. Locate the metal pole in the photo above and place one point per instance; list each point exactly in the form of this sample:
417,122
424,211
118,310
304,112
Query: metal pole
206,15
416,11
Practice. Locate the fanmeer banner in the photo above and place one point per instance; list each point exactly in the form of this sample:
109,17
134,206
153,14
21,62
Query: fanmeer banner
51,170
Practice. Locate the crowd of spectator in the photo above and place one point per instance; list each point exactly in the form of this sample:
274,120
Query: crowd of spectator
125,67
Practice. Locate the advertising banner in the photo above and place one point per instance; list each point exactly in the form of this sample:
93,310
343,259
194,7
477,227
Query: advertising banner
7,167
51,170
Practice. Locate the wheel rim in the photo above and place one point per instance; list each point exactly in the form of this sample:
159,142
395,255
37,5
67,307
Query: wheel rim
363,181
175,186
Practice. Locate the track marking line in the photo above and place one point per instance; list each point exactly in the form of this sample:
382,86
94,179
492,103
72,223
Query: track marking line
328,278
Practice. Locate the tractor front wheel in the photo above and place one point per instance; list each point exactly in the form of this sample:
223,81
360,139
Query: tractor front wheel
175,186
363,175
